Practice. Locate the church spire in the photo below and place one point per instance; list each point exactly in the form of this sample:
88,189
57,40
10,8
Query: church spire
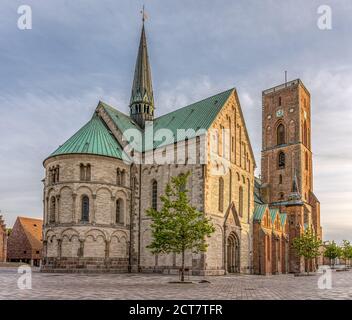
142,99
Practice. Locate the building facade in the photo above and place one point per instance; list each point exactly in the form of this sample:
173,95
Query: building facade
287,162
25,241
99,184
3,240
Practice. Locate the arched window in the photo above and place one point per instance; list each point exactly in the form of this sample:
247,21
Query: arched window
305,133
155,195
118,177
280,132
123,177
280,101
280,179
221,194
240,201
85,208
281,160
85,172
52,209
119,211
281,196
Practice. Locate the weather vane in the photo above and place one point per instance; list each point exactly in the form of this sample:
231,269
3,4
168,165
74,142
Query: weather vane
144,15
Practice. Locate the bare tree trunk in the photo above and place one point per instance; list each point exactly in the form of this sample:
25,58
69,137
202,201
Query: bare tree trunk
183,266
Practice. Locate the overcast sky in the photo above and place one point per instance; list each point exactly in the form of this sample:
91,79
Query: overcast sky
78,52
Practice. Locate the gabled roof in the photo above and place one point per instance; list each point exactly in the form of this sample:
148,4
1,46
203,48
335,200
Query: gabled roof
121,120
33,231
259,211
93,138
199,115
283,217
273,214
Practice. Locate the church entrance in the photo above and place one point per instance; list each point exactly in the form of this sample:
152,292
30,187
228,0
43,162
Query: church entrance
233,254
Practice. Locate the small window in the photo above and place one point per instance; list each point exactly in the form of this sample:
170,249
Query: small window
221,194
119,211
240,201
85,172
281,196
155,195
280,179
85,209
118,177
281,160
52,209
280,101
123,177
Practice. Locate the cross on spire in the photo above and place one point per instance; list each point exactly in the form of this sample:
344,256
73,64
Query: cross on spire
144,15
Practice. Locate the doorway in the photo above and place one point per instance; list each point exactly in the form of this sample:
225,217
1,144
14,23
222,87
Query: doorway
233,254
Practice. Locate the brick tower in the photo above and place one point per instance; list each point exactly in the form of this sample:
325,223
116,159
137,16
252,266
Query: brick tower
287,173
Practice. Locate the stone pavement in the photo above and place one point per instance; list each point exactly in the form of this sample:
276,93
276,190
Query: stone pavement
154,286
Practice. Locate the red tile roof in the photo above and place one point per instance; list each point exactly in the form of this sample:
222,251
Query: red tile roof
33,230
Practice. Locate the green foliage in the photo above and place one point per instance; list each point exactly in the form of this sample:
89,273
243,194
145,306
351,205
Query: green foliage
346,251
332,251
178,226
307,245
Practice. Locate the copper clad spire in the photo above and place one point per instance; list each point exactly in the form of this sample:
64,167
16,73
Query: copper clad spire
142,99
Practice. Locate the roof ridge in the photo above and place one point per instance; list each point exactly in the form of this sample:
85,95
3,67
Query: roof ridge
115,109
199,101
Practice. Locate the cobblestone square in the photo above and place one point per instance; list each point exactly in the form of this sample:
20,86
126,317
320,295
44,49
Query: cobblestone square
155,286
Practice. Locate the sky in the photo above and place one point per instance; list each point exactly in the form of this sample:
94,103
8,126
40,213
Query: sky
79,52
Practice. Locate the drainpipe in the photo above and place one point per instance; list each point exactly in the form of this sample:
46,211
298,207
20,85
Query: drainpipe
139,216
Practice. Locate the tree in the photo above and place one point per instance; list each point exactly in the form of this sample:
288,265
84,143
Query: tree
178,226
307,246
346,251
332,251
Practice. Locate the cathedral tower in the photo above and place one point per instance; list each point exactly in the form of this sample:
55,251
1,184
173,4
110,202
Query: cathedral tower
142,99
287,173
286,145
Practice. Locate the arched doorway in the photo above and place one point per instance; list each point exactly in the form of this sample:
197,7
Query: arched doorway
233,254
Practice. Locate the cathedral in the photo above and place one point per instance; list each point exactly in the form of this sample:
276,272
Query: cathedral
100,182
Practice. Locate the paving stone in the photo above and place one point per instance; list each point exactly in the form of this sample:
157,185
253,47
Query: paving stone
155,286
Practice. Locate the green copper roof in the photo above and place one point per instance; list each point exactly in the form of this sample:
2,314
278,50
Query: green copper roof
273,213
259,211
92,138
283,217
121,120
199,115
